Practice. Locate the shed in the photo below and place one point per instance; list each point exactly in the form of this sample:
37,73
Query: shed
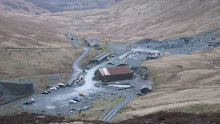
146,88
114,74
91,42
99,58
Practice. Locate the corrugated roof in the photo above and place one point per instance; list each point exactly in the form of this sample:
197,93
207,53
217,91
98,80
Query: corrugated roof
112,63
148,86
115,70
100,56
132,62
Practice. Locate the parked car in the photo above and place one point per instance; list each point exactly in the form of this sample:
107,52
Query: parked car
72,101
75,109
86,107
49,91
29,101
61,85
45,92
53,88
82,94
77,98
140,94
68,84
57,86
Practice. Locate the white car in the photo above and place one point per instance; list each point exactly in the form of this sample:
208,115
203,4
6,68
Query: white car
53,88
72,101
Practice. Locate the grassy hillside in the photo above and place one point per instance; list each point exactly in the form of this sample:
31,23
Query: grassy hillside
182,82
20,6
130,20
30,49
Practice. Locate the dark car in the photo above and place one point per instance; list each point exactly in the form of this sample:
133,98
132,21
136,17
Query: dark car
140,94
68,85
61,85
45,92
77,98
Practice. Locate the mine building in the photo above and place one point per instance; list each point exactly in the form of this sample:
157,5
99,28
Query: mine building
146,88
99,58
114,74
91,42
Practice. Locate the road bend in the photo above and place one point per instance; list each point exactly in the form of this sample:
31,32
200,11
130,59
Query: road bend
114,112
76,68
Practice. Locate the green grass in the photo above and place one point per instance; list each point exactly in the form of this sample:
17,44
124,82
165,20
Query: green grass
92,54
105,47
97,110
123,109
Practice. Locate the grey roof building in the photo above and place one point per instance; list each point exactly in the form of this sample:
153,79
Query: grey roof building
131,62
99,58
91,42
146,88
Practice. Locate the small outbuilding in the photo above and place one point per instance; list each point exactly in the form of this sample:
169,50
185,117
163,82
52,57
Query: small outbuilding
146,88
91,42
114,74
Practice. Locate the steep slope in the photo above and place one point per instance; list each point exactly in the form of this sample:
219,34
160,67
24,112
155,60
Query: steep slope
183,83
31,49
129,20
68,5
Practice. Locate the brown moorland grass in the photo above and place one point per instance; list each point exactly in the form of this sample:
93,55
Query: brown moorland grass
130,20
31,49
180,81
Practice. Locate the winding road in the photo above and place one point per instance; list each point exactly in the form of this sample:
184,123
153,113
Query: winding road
75,66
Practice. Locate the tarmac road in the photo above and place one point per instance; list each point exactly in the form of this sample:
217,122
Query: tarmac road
75,66
114,112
